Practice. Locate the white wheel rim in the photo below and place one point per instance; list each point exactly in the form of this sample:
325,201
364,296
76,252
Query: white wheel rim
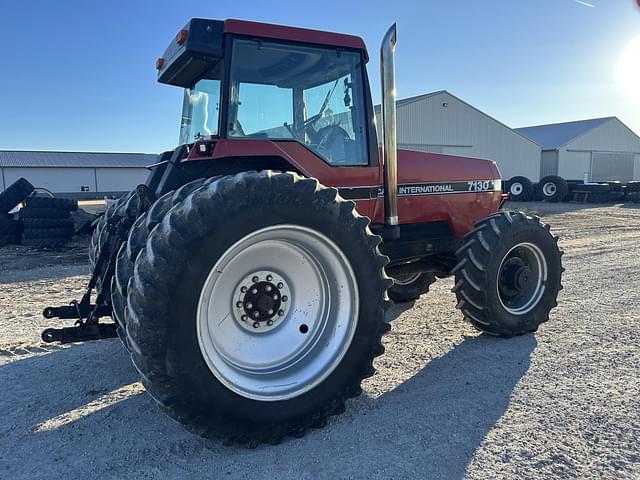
311,331
549,189
516,188
535,260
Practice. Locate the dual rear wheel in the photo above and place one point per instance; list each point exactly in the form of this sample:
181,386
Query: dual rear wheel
253,305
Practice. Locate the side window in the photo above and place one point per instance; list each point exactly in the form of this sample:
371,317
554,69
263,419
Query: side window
200,110
262,111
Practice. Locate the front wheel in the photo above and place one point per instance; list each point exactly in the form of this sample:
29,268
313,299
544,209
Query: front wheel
509,274
256,306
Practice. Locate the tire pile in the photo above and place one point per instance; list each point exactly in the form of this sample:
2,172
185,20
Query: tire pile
10,229
43,223
47,221
553,188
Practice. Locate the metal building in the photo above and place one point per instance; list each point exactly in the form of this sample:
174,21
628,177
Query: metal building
602,148
76,174
440,122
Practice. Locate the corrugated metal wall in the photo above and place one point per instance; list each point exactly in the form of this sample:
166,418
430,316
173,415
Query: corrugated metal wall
459,129
70,181
610,142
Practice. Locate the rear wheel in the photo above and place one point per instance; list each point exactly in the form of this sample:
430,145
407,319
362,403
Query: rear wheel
410,286
256,307
508,275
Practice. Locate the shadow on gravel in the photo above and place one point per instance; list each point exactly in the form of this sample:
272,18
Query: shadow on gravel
428,427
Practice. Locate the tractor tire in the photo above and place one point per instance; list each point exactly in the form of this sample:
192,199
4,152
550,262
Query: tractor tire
29,212
9,239
14,194
48,223
138,235
552,189
9,226
509,274
49,202
238,238
520,189
126,206
33,233
409,287
633,197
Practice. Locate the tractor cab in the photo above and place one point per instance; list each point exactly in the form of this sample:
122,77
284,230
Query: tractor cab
246,80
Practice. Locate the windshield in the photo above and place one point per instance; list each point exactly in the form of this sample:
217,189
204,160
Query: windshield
201,108
292,92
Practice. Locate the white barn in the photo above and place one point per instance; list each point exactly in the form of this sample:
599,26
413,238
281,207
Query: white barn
440,122
76,174
602,148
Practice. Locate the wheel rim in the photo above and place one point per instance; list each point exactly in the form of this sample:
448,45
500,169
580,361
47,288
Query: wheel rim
405,278
549,189
521,278
516,188
300,336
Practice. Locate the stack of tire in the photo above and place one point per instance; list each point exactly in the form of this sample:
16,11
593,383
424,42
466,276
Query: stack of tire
632,192
11,229
616,191
47,221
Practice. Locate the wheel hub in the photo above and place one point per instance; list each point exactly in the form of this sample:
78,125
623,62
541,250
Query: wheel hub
261,301
521,278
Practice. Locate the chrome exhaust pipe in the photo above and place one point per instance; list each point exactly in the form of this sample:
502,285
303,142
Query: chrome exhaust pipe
389,149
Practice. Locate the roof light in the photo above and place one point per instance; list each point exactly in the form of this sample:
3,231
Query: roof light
159,63
181,37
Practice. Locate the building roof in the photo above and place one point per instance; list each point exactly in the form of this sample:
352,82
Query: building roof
26,158
555,135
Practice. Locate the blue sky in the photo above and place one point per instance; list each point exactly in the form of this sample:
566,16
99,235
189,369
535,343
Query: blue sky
79,75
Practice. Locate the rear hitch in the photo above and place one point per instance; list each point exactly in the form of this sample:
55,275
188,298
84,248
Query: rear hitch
79,333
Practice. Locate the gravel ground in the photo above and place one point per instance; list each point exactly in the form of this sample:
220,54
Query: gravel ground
446,403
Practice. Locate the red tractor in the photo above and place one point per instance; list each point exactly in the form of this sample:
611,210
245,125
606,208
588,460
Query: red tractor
249,277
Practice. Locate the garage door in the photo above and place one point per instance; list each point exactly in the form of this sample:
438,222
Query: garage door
612,166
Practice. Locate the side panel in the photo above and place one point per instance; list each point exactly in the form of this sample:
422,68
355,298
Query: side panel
460,209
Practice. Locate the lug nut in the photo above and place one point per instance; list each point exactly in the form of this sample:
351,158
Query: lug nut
269,323
268,288
249,305
243,289
275,297
254,291
269,278
280,285
270,312
256,324
255,279
243,318
280,312
256,314
239,304
284,298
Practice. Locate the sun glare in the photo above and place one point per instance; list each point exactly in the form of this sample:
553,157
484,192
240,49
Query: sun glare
629,70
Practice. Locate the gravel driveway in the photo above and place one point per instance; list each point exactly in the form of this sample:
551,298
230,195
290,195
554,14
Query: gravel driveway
446,403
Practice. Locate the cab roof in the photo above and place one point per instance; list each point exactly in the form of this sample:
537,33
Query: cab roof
294,34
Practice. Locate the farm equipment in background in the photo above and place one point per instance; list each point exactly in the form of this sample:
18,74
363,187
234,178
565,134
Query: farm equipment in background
249,277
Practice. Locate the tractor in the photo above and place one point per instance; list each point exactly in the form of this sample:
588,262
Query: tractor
249,277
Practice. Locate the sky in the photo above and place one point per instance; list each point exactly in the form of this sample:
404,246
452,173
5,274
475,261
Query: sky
80,76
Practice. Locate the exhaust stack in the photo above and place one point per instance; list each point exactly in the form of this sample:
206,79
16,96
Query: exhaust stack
389,150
